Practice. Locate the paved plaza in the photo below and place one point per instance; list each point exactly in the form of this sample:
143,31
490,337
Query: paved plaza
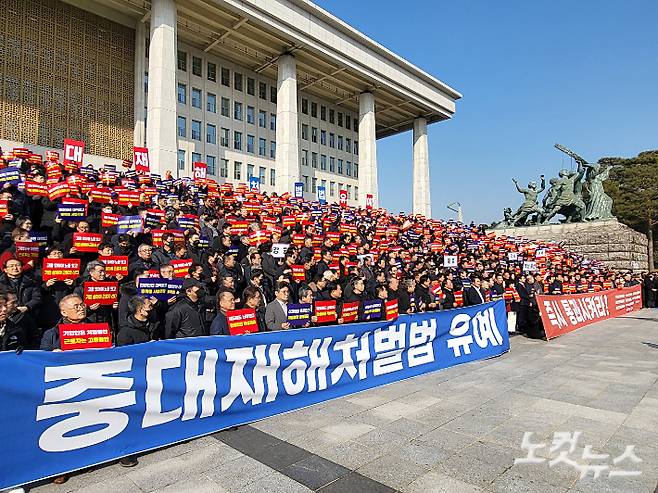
456,430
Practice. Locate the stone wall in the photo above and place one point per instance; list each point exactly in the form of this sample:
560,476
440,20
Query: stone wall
615,244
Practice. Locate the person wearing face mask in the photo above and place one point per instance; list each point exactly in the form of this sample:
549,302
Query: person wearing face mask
166,253
139,325
186,318
195,253
97,313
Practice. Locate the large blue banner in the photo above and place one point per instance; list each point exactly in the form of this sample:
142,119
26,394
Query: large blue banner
68,410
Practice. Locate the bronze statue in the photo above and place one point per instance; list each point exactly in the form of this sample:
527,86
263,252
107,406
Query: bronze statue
565,196
530,206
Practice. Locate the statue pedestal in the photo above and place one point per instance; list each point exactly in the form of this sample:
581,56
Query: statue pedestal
613,243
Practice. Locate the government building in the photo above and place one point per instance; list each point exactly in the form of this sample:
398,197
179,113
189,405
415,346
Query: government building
277,89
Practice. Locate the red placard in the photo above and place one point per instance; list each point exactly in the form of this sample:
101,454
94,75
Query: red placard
101,195
298,273
84,336
156,235
342,197
391,307
26,251
34,188
108,219
181,266
87,242
325,311
370,201
350,311
141,159
115,265
241,321
239,227
566,313
200,170
73,152
104,293
58,190
288,221
60,268
128,197
4,208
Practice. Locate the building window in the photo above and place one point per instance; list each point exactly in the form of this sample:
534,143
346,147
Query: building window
348,168
355,125
331,116
332,140
146,82
323,113
196,98
332,165
348,121
273,177
340,119
272,94
210,162
251,115
349,191
340,166
211,105
262,119
323,162
237,170
237,81
356,170
196,130
226,105
251,86
262,147
272,121
182,126
211,134
237,141
226,77
304,131
314,159
212,72
356,193
272,149
340,142
348,145
356,148
314,109
323,137
314,185
237,110
181,158
305,106
224,137
261,175
196,157
314,135
332,188
305,182
250,143
182,61
304,157
182,93
250,171
196,66
223,168
262,90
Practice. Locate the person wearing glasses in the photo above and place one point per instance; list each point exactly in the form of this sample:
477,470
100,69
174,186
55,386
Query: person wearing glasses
73,311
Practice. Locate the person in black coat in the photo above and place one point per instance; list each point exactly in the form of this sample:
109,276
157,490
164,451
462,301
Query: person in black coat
473,295
407,297
73,311
424,299
225,303
138,326
27,289
448,295
186,318
12,336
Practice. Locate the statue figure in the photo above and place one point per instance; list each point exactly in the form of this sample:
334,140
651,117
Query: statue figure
568,191
530,205
507,221
599,205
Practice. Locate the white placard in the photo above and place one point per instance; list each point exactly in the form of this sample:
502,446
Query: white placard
529,266
279,249
450,261
512,256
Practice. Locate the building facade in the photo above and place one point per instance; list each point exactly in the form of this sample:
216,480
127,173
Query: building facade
278,89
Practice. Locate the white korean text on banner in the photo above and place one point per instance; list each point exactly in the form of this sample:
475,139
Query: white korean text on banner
67,411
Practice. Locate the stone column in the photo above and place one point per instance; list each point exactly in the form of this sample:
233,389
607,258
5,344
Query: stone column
421,184
287,143
140,97
367,149
161,138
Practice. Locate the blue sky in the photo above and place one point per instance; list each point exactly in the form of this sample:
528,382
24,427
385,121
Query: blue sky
532,73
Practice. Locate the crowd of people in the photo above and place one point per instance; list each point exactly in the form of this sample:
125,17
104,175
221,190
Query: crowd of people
234,248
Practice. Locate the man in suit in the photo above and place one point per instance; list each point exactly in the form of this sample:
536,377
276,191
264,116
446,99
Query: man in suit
276,312
473,295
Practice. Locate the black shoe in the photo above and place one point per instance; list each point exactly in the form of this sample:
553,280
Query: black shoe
128,462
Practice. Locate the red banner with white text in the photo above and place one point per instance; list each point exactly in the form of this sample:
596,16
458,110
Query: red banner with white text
566,313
